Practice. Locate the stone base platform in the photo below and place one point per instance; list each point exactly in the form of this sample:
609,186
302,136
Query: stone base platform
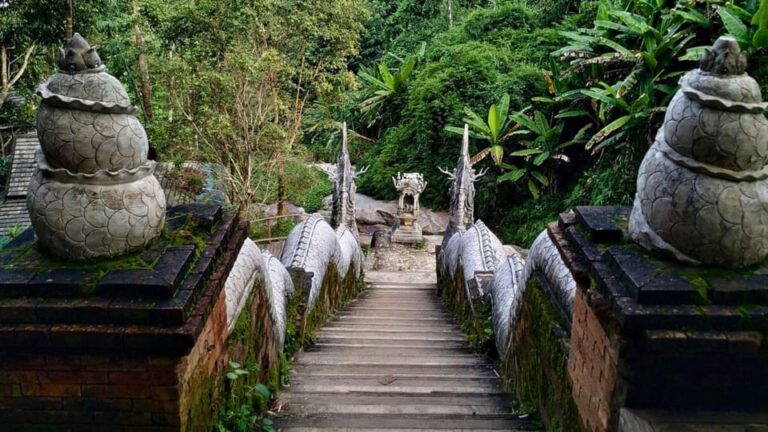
408,235
135,343
655,335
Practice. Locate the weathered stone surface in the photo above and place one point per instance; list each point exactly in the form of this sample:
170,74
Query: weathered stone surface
350,256
448,260
94,194
410,186
481,251
249,270
279,290
311,246
545,259
506,292
344,189
462,193
85,221
702,190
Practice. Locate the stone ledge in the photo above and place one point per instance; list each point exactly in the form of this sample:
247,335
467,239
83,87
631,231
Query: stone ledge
647,292
146,325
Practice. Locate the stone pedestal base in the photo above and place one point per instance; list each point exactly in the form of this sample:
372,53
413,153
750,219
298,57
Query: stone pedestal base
136,343
654,335
408,234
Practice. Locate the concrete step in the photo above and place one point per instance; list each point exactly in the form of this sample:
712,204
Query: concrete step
395,359
394,330
402,403
351,349
466,371
347,342
368,360
357,422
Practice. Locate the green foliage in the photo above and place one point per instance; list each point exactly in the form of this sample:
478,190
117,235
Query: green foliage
463,67
250,414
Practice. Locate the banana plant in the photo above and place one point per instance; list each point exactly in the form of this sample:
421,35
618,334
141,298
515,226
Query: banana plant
497,129
546,145
383,84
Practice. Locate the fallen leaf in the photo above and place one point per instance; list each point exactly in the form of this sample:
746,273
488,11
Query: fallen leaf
387,379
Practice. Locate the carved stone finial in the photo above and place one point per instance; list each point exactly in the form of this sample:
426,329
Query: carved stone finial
724,58
702,189
79,56
94,194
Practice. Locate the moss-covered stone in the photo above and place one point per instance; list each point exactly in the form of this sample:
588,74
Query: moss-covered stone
536,365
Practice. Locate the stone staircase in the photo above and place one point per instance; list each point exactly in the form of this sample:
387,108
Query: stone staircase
395,359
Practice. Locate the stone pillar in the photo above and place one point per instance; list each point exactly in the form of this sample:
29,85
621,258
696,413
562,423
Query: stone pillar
138,343
651,336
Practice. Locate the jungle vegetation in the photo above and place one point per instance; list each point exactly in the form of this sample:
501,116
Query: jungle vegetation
563,97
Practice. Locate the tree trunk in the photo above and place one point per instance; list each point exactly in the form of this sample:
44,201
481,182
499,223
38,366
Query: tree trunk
146,85
449,5
69,22
281,187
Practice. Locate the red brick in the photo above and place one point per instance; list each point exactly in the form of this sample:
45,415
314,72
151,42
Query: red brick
165,393
50,389
149,378
36,403
73,377
122,418
116,391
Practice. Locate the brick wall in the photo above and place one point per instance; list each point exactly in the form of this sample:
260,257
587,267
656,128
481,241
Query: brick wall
593,366
78,392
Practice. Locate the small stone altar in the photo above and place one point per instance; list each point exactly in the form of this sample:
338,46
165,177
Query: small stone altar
410,186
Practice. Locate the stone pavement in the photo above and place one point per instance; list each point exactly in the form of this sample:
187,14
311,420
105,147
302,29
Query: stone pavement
395,359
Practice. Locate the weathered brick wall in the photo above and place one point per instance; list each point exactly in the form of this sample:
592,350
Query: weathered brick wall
80,392
535,365
593,368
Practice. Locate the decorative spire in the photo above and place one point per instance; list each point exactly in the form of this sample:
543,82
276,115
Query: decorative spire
344,188
344,149
79,56
465,142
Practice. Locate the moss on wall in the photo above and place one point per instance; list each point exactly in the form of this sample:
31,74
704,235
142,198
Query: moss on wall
535,367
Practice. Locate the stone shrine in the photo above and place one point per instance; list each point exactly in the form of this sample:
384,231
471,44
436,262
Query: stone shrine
94,194
410,186
702,190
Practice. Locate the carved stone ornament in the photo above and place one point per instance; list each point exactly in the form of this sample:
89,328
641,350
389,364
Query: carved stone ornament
344,189
410,186
702,189
462,193
94,194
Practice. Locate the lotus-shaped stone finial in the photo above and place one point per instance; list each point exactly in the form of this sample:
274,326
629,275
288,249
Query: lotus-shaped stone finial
94,194
702,189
